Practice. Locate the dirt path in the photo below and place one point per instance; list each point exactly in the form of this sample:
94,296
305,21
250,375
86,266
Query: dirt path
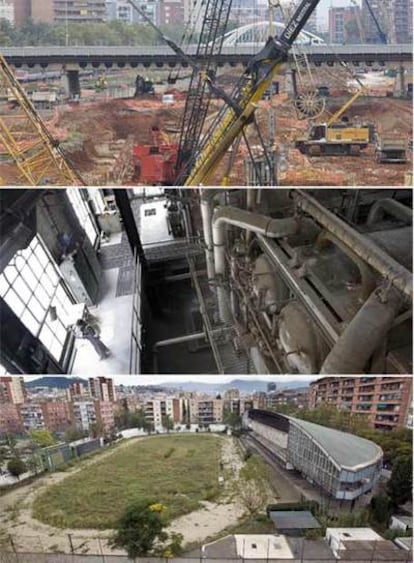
214,517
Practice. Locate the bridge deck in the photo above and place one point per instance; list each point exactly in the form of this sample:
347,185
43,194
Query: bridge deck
161,55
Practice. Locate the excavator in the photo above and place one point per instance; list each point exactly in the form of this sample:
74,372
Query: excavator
337,136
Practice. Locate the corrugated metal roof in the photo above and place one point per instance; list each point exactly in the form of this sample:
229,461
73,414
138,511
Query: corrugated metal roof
348,450
293,519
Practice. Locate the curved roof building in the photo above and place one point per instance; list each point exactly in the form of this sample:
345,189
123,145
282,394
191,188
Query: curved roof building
344,465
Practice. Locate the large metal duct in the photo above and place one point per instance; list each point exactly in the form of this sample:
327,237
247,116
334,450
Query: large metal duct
364,333
362,246
393,208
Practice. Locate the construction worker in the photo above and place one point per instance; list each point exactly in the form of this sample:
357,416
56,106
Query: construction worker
87,332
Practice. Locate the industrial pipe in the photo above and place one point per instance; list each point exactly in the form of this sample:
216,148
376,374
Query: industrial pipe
206,208
172,342
372,254
364,334
398,243
392,207
259,224
367,277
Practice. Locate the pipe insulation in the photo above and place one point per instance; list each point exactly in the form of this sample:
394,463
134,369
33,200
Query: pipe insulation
206,209
393,208
361,245
259,224
364,334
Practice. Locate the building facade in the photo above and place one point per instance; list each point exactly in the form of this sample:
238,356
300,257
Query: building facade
344,466
10,419
172,12
76,11
84,414
32,415
12,390
383,401
22,11
206,411
105,415
7,11
57,415
345,25
102,388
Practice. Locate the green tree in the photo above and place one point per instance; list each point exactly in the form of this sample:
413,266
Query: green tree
232,419
11,441
73,433
253,485
16,466
139,527
167,423
43,438
381,510
400,485
96,430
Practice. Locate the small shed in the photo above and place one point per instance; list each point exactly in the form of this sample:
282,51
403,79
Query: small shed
293,522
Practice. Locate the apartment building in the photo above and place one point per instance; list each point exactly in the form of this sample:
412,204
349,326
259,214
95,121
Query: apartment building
57,415
396,17
344,24
383,401
206,411
12,390
296,397
172,12
50,11
157,409
10,419
84,414
32,416
105,415
76,389
102,388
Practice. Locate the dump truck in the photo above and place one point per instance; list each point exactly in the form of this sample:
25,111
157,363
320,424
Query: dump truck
390,149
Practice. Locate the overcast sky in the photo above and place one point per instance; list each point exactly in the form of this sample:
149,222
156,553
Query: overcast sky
158,379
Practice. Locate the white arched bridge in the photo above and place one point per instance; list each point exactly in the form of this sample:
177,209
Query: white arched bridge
256,34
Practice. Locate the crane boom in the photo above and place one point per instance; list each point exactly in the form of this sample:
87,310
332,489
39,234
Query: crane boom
25,139
199,95
381,34
343,109
258,76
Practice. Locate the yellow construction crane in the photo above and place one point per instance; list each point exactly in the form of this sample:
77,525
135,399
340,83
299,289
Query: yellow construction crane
25,141
336,137
238,114
335,117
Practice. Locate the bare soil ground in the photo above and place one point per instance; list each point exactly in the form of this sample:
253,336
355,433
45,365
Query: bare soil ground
94,134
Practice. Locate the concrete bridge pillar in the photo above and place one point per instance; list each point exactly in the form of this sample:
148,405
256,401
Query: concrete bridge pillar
399,86
71,84
291,83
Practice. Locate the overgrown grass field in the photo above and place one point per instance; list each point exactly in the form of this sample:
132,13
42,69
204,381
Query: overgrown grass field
178,471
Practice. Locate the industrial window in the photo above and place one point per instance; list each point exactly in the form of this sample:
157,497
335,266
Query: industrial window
83,213
31,286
